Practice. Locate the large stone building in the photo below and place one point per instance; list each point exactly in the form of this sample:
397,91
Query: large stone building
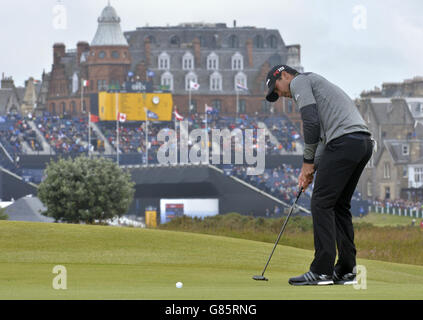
215,56
394,115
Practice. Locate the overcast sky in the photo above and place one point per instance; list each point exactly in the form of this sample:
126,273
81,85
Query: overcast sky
356,44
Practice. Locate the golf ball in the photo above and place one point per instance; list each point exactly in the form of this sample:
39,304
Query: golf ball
179,285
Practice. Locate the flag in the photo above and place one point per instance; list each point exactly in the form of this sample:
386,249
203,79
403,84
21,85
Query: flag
94,118
121,117
85,83
151,114
209,109
239,86
194,85
177,115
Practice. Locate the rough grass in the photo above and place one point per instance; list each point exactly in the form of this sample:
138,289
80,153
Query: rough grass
400,244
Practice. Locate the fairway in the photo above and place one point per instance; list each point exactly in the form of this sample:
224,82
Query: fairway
128,263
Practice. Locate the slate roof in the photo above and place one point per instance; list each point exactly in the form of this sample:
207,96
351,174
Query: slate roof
27,209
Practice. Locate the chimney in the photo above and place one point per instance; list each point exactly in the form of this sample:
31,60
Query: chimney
197,51
7,82
249,45
147,49
59,50
234,23
82,47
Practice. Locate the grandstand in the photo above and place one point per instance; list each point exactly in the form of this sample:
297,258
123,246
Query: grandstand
28,144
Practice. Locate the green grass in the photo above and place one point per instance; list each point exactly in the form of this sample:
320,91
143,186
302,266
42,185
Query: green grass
385,220
129,263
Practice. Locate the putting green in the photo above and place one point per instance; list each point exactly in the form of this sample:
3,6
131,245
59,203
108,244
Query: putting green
128,263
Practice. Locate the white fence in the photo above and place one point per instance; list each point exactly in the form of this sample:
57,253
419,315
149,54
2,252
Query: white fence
406,212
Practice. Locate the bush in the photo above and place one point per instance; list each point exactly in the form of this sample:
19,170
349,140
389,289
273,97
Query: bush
85,190
3,215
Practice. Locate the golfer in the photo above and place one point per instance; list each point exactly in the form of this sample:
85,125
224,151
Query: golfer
332,122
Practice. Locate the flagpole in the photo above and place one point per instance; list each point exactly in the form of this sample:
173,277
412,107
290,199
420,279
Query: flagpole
189,100
117,128
146,136
175,120
237,103
83,110
89,134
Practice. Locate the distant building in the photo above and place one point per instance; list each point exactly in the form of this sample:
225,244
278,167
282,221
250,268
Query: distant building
19,100
407,88
394,115
215,56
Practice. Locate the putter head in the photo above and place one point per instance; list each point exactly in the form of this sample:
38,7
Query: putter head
260,278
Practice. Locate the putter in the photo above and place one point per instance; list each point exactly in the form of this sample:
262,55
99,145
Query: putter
262,277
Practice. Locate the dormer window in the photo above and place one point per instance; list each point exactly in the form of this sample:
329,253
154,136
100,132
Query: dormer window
188,61
212,61
164,61
237,61
405,149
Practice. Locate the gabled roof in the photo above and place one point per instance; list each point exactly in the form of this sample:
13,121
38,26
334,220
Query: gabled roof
385,109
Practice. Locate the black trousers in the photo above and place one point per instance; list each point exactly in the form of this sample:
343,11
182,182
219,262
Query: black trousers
337,175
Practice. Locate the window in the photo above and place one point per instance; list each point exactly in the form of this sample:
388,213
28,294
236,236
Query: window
404,172
387,170
73,107
63,105
193,108
289,108
240,78
102,55
272,41
167,80
115,84
387,192
164,61
115,54
369,189
203,42
237,61
265,106
217,105
215,81
212,61
405,150
258,42
101,85
418,175
233,42
188,61
188,78
174,41
242,106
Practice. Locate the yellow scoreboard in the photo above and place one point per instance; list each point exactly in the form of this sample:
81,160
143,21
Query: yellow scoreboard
136,106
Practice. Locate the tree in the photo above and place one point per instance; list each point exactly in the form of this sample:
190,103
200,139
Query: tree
85,190
3,215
